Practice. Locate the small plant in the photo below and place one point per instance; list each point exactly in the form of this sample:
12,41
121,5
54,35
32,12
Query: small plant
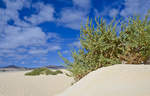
99,49
43,71
100,46
135,37
53,72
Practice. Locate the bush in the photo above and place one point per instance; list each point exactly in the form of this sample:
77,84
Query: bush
135,38
45,71
102,47
53,72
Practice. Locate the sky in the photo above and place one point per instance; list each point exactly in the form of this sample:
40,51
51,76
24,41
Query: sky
32,32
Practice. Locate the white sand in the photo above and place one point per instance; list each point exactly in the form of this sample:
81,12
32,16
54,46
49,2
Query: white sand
17,84
117,80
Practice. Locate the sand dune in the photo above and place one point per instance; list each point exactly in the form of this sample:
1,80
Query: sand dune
17,84
117,80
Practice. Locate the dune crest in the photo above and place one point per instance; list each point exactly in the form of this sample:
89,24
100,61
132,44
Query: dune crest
116,80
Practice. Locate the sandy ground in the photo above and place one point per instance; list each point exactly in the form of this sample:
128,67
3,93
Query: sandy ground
17,84
117,80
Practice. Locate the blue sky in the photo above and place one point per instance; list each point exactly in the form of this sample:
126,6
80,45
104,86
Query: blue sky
32,32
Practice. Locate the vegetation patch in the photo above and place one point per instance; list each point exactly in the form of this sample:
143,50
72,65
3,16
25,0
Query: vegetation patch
101,45
44,71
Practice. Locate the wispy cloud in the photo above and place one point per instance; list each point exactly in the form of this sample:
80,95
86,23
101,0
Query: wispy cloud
73,16
85,4
113,12
44,13
135,7
107,12
11,13
15,37
23,41
76,44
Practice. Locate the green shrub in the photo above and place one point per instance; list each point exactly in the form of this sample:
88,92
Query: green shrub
48,72
102,47
135,37
58,72
99,48
43,71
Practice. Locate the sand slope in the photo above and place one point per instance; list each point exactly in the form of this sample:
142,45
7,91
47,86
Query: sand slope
117,80
16,84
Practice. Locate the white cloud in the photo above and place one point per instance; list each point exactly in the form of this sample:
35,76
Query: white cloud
49,48
72,18
97,13
65,52
76,44
16,37
38,51
108,11
86,4
113,12
131,8
135,7
45,13
53,48
11,13
24,34
54,37
14,4
34,37
25,41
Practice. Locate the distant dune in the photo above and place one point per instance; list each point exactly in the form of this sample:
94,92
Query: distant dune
117,80
13,68
17,84
18,68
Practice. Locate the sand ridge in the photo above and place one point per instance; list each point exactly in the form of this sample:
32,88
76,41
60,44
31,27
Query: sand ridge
116,80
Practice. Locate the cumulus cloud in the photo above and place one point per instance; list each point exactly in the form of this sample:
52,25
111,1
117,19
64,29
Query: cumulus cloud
131,7
138,7
73,17
16,37
11,12
45,13
23,41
